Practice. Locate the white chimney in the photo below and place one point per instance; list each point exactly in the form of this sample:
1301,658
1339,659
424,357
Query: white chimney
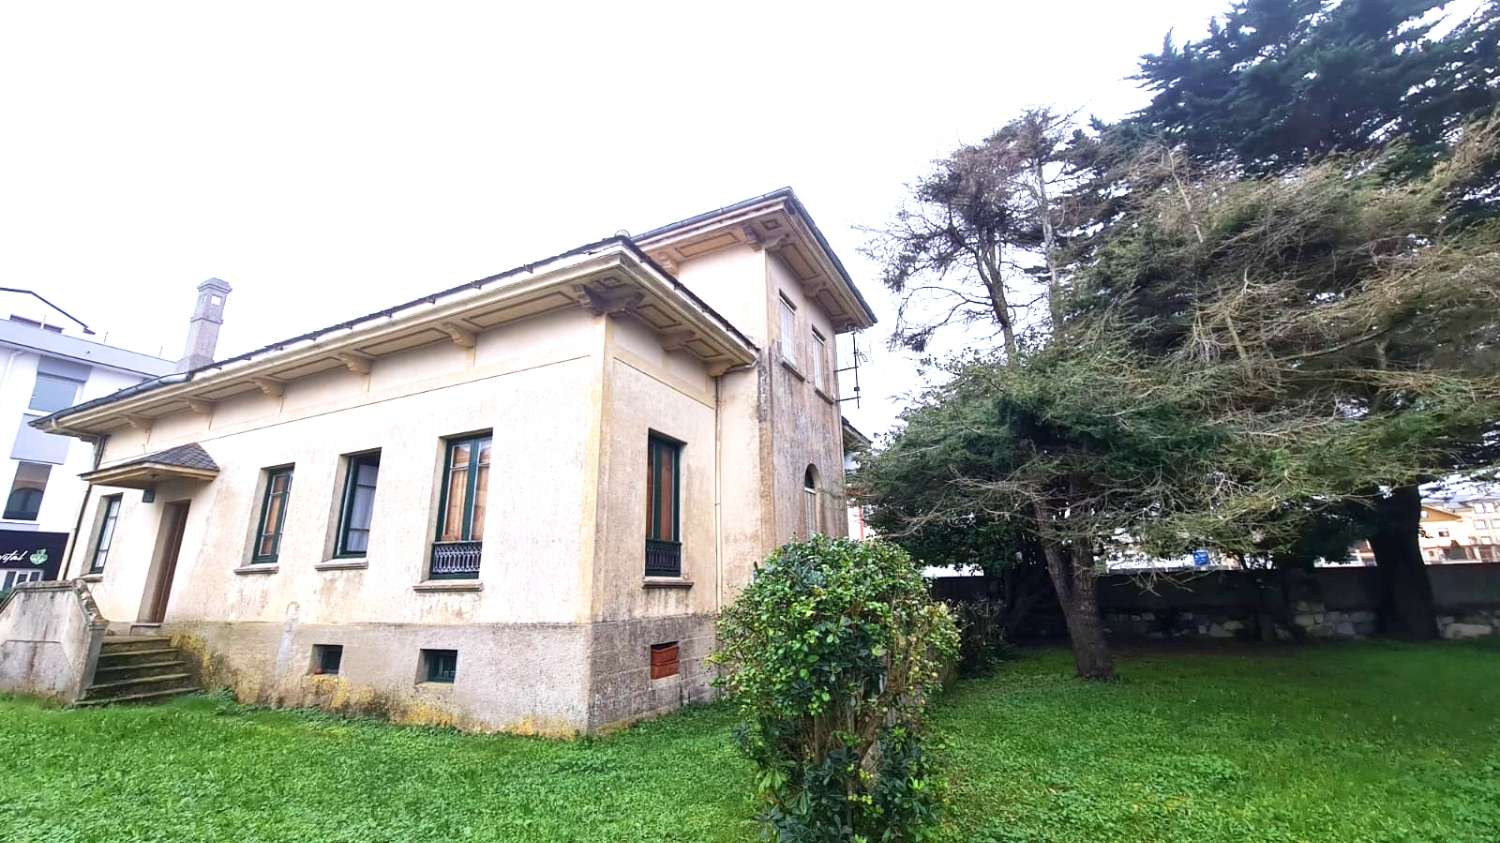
203,328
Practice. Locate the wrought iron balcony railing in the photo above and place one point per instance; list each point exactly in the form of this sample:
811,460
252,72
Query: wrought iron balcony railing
455,560
663,559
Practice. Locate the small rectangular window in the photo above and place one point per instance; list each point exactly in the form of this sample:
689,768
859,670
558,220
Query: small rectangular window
272,515
327,659
52,393
106,535
664,660
663,504
439,665
358,506
819,354
26,490
788,330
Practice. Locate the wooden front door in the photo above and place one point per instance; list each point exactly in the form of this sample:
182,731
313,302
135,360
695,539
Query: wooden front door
164,566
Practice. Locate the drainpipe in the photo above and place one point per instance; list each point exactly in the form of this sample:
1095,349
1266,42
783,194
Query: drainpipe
718,501
88,491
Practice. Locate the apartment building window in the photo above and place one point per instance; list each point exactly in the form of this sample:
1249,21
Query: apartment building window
663,502
26,490
53,392
788,330
460,530
819,353
810,521
1482,524
106,534
358,504
272,515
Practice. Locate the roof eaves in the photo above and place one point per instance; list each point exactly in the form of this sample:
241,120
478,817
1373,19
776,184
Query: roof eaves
176,378
782,193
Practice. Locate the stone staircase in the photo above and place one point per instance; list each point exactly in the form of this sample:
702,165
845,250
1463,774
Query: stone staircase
137,668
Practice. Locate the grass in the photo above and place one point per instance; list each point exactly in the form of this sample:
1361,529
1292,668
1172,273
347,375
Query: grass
1354,742
1362,742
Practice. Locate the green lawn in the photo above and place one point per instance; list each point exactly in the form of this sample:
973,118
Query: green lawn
1355,742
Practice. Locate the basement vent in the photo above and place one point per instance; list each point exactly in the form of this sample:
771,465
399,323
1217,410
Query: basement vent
664,660
439,665
327,659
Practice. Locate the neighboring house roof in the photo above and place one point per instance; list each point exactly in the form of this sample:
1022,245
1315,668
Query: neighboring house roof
853,439
605,276
184,462
775,221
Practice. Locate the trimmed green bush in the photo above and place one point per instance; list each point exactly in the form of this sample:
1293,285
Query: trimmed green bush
831,654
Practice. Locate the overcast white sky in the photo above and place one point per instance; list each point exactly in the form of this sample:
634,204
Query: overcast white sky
330,159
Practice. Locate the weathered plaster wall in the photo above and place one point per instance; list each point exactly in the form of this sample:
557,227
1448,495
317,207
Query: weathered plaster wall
731,282
648,390
805,425
527,678
537,398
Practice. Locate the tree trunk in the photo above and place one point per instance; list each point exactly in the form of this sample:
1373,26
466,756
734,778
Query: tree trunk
1408,605
1078,591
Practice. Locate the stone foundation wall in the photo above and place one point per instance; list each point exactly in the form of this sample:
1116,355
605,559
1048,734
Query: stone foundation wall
1479,623
1326,603
523,678
622,689
1313,620
545,679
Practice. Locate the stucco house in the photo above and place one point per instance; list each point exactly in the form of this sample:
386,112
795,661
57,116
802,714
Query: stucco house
517,503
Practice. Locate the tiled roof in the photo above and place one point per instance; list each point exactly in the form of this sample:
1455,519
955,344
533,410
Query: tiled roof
190,455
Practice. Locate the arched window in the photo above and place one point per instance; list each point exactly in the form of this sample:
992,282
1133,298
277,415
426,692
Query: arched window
23,504
810,521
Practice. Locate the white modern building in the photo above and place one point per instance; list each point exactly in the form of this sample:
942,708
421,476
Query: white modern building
52,361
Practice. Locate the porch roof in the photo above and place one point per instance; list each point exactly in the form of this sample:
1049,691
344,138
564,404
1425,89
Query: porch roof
184,462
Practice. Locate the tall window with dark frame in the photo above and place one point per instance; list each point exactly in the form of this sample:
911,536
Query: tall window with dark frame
106,535
359,505
663,507
460,531
272,515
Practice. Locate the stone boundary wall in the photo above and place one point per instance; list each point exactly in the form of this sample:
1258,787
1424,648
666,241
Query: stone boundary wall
1325,603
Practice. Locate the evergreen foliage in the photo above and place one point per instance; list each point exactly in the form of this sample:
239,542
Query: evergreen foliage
830,655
